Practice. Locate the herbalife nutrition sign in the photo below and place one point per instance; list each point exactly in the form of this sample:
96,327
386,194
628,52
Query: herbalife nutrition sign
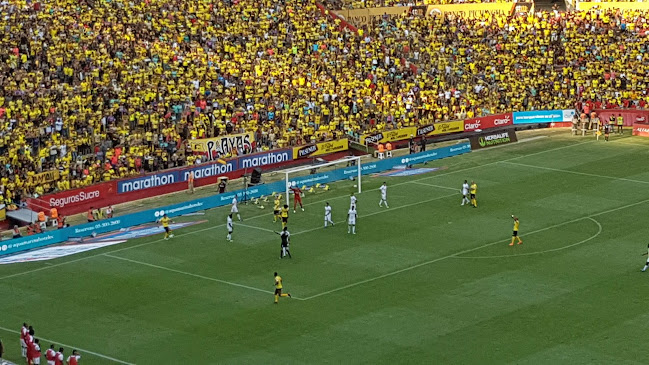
493,139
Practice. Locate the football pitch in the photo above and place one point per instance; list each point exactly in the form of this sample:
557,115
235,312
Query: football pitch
425,281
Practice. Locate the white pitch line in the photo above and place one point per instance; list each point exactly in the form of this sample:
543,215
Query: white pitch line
192,274
575,172
253,227
436,186
466,251
83,351
599,231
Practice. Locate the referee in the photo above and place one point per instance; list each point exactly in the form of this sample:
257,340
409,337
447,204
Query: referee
286,239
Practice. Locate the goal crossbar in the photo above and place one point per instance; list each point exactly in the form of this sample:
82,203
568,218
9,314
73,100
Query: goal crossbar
288,173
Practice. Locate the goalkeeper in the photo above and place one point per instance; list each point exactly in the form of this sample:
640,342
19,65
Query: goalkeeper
297,198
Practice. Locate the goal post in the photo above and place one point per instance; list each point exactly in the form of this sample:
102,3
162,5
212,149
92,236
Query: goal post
354,161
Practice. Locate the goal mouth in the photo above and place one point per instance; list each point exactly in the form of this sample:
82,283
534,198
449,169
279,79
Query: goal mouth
314,176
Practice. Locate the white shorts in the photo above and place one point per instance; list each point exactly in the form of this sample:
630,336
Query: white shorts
22,343
384,197
50,362
36,361
328,217
351,222
234,210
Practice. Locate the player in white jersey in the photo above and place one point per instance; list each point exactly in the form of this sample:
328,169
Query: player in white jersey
235,209
230,228
328,215
384,195
465,193
352,201
351,220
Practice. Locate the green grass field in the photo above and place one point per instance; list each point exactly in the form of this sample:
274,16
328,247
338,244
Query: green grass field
426,281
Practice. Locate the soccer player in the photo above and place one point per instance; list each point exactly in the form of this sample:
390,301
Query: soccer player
297,197
235,209
29,340
230,228
474,191
351,220
384,195
24,332
50,355
278,288
276,207
328,215
165,224
74,358
284,214
286,241
352,201
646,265
465,193
515,233
58,357
607,131
36,352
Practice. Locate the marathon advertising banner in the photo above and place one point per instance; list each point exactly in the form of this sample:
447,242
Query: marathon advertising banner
318,149
221,146
212,169
44,177
492,139
641,130
487,122
471,9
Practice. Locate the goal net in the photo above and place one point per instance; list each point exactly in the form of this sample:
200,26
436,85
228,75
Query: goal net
317,176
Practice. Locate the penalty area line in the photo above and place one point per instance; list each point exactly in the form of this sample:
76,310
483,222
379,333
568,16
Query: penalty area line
83,351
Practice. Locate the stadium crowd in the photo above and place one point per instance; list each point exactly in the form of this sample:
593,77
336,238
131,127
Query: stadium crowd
101,90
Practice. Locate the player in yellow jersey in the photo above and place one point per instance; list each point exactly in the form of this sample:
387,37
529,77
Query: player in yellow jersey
515,233
284,215
474,190
276,207
165,224
278,288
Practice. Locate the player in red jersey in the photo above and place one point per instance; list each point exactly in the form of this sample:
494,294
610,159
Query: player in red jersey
29,340
23,344
36,352
50,355
74,358
297,198
58,357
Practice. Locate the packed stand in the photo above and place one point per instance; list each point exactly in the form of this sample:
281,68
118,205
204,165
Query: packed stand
101,90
